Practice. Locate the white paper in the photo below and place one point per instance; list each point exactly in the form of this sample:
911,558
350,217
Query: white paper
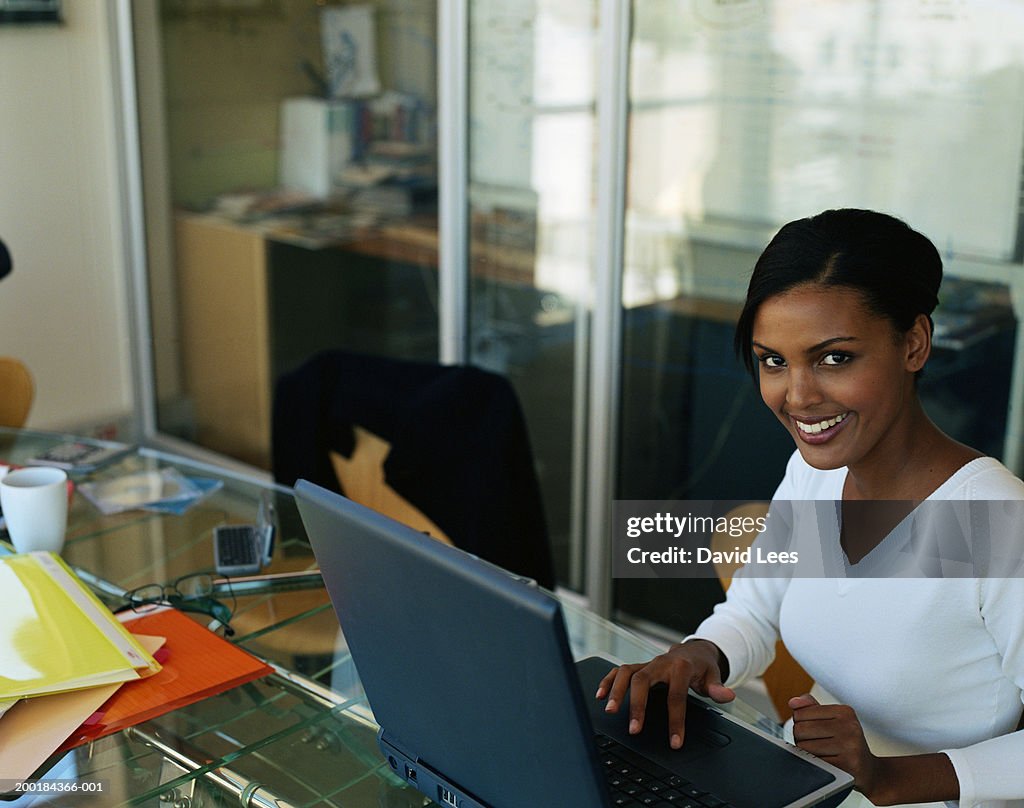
349,39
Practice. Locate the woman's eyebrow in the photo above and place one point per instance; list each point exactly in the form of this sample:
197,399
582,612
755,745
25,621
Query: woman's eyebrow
813,349
827,342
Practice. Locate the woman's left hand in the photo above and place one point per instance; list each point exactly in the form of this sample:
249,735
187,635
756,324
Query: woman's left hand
833,732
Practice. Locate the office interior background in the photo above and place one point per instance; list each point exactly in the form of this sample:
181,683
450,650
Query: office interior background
199,195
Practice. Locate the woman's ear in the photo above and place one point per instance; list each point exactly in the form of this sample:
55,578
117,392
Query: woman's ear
919,343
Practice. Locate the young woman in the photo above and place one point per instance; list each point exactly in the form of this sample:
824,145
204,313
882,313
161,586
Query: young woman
919,681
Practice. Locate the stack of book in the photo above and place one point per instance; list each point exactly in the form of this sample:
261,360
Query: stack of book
397,198
395,179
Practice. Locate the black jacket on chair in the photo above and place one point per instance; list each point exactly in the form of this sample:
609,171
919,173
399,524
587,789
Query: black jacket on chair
460,451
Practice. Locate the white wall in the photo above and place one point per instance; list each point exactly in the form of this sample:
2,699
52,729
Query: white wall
64,309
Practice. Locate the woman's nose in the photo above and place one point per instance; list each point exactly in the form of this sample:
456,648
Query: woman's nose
802,391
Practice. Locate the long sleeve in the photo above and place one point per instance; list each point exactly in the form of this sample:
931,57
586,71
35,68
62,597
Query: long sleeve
930,664
991,769
746,625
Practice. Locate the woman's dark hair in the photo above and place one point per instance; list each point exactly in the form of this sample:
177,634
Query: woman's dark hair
896,270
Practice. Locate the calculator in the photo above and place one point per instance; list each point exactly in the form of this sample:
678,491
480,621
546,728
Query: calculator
80,455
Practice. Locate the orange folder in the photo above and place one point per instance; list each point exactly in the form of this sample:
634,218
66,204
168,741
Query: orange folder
198,664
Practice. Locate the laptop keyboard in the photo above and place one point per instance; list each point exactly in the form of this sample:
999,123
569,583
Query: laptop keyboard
235,546
635,781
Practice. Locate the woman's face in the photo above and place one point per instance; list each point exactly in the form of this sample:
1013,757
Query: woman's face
836,375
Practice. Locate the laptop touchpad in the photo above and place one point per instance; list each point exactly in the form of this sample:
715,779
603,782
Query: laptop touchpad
701,737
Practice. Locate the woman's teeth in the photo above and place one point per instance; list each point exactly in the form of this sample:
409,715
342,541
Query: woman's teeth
813,429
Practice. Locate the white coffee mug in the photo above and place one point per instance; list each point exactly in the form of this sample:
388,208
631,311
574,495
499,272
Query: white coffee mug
35,506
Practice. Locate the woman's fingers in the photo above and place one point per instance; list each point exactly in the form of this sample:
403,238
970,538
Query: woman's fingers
682,667
614,686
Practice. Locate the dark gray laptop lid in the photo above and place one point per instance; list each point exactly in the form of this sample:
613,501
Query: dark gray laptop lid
497,710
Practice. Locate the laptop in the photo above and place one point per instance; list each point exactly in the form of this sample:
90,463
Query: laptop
246,549
468,671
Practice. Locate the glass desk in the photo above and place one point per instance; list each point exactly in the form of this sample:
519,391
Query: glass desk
301,736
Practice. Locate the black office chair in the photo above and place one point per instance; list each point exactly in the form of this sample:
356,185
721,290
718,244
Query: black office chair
444,448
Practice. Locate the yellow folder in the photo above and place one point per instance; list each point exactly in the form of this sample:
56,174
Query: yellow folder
34,728
55,635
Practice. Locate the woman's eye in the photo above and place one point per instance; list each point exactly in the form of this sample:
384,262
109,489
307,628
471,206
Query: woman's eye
772,361
835,358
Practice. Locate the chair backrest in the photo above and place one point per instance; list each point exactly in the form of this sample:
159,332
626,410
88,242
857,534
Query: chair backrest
442,448
362,479
16,392
784,678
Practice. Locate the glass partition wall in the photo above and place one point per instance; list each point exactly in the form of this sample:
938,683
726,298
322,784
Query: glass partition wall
743,116
289,214
290,180
263,246
532,135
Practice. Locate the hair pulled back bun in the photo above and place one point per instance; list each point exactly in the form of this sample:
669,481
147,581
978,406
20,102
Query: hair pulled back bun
896,270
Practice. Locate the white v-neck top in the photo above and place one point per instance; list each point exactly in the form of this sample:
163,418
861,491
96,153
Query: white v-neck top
929,664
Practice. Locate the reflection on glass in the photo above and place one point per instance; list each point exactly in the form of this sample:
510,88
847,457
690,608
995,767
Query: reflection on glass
532,91
745,115
290,169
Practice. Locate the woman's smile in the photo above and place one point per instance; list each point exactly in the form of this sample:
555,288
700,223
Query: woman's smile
816,430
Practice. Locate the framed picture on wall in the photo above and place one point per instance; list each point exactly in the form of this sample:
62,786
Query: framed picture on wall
22,12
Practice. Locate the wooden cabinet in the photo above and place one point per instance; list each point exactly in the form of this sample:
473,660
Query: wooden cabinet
256,301
222,276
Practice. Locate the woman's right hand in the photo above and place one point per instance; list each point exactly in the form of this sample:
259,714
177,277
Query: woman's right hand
697,664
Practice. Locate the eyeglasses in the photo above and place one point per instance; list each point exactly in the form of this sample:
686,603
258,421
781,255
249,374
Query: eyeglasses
190,593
